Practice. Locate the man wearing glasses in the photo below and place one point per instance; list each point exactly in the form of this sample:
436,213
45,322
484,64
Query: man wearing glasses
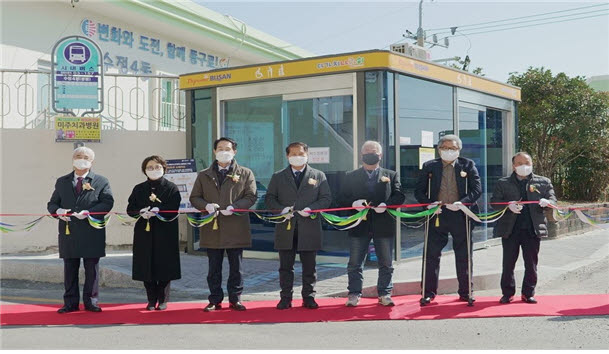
449,181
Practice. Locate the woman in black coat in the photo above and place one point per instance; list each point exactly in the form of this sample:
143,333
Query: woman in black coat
156,245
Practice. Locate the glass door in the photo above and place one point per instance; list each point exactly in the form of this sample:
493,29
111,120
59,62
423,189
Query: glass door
481,131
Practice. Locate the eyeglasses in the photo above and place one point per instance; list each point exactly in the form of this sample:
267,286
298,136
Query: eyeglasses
155,168
449,148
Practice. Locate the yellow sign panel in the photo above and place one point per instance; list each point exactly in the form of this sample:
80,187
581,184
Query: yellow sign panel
345,63
72,129
283,70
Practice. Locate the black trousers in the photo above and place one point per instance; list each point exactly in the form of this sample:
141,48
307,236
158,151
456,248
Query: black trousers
235,275
157,291
90,290
529,242
286,271
452,222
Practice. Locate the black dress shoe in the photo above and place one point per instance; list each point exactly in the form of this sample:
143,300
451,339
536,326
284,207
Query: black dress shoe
66,309
237,306
309,303
466,298
426,300
506,299
528,299
284,304
212,307
93,308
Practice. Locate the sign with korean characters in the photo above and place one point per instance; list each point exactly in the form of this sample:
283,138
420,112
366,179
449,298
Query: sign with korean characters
183,173
78,129
77,75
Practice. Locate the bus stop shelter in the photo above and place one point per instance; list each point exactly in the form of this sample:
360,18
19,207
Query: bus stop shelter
335,103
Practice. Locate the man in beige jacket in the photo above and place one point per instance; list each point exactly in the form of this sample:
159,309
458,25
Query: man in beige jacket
220,189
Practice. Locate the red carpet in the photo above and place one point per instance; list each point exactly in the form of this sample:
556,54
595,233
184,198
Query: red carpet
331,310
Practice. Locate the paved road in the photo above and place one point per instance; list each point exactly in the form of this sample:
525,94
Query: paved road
489,333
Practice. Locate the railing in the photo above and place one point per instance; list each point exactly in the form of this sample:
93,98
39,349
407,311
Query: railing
131,102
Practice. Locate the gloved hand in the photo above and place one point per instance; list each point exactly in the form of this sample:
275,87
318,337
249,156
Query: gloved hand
81,215
211,207
454,206
228,211
380,208
515,207
146,213
305,212
543,202
62,211
287,213
359,204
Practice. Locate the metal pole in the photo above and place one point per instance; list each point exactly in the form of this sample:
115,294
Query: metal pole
420,42
470,299
423,302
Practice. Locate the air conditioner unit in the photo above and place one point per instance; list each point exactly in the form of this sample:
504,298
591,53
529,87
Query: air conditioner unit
419,52
411,50
400,48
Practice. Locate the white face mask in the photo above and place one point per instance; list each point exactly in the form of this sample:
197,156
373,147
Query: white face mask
449,155
297,160
154,175
524,170
81,164
224,156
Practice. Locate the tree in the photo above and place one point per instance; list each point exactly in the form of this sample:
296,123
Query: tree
564,125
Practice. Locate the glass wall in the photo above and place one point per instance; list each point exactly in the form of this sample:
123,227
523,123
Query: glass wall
380,117
201,135
425,113
264,126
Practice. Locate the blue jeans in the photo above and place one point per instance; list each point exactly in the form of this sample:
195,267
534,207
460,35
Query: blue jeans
357,255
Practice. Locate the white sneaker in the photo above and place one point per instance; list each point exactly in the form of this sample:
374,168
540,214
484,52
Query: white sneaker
353,300
385,300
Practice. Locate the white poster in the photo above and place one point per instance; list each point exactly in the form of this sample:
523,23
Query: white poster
426,138
426,154
319,155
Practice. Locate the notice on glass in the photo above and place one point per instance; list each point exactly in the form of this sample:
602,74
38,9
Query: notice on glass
319,155
426,138
425,154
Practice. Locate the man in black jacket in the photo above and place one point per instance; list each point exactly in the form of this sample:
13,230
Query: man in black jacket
522,225
75,196
451,182
378,187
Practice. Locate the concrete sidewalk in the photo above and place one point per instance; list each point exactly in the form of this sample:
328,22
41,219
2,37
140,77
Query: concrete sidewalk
261,278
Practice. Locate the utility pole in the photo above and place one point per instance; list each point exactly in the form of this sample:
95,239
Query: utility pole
420,40
420,36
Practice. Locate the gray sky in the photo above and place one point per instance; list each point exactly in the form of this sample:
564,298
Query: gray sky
555,41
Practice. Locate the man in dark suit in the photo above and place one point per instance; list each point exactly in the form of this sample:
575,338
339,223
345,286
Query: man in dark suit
298,187
450,181
374,186
75,196
523,225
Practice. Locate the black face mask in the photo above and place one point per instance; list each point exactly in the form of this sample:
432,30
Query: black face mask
371,159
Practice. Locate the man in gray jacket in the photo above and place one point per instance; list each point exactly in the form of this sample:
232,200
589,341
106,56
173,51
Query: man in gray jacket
298,187
522,225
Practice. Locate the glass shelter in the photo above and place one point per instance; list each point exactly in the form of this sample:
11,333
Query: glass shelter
334,104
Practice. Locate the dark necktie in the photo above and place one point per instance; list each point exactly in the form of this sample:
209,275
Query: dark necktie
297,177
79,185
222,174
